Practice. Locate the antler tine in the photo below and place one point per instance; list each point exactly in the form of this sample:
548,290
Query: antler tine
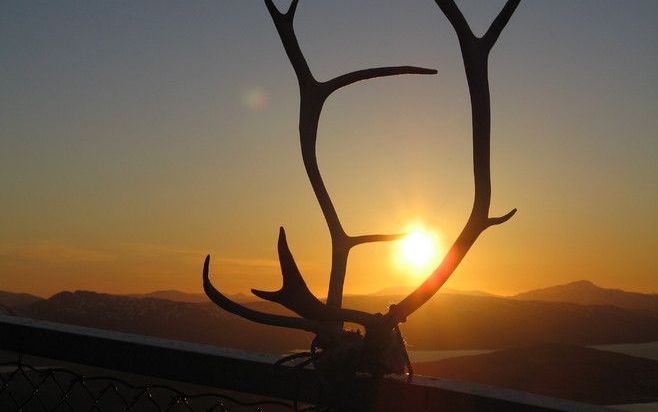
336,83
227,304
475,52
296,296
499,23
284,26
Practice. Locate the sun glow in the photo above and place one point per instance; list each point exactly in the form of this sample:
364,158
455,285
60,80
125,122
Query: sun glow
419,252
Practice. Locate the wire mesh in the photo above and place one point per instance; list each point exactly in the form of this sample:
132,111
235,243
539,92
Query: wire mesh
26,388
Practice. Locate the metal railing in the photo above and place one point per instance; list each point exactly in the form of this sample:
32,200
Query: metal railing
269,385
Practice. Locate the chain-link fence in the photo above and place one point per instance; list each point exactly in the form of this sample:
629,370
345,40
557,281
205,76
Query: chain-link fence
27,388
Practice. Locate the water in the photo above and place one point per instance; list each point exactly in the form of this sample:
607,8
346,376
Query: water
417,356
641,350
637,407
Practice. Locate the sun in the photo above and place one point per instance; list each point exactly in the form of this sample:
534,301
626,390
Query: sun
419,252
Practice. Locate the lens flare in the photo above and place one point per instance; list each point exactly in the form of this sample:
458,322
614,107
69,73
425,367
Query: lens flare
254,99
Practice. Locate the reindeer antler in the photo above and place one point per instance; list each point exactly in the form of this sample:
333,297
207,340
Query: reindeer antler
294,293
475,53
326,319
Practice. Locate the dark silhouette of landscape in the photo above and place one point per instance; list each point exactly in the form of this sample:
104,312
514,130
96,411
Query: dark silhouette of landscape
9,299
451,321
537,345
563,371
178,296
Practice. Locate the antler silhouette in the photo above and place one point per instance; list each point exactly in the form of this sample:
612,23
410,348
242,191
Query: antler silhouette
475,53
294,293
382,349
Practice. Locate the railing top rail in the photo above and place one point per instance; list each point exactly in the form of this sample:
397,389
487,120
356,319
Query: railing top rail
252,373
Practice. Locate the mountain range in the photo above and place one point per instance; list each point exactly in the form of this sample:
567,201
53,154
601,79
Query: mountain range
449,321
585,292
11,299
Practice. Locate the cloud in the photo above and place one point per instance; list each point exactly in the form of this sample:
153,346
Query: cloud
52,252
250,262
160,250
147,257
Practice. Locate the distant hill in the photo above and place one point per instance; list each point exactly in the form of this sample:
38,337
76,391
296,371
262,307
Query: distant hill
11,299
405,290
446,322
484,322
562,371
178,296
173,295
587,293
392,291
194,322
465,292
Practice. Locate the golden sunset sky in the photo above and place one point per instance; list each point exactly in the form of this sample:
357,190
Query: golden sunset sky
136,137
